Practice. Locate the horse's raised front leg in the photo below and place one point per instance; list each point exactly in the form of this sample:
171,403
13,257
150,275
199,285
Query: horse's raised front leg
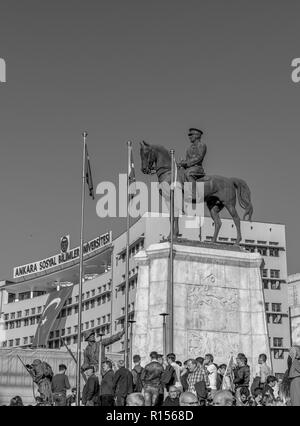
214,212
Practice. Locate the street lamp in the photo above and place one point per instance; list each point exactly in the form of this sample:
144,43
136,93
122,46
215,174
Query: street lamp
164,315
131,322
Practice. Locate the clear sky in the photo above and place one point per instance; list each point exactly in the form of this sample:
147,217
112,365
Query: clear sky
142,70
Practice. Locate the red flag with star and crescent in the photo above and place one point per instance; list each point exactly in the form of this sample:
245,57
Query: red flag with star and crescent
54,305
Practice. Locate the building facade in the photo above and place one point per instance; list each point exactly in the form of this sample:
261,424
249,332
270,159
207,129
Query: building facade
294,303
22,299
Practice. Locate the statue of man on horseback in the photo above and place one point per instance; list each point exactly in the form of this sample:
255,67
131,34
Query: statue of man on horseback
194,156
218,192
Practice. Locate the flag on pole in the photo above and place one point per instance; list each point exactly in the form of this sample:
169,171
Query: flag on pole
54,305
131,174
88,175
228,378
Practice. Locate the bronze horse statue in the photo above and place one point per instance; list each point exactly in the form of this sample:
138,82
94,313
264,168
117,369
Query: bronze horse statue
219,192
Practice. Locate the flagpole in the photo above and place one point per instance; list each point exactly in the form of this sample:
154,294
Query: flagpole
129,146
171,265
78,367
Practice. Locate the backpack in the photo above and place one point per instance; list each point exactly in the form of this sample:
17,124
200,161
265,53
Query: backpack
137,381
168,377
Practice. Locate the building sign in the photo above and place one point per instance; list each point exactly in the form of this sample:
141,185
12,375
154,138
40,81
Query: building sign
62,258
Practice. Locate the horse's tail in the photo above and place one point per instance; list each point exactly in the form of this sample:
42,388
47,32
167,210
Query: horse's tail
244,197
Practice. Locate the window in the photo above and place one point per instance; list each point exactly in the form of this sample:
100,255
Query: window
87,294
263,243
17,342
51,335
69,311
266,284
70,301
69,330
4,344
18,324
26,322
12,315
278,342
92,304
276,307
108,297
32,321
11,343
19,314
275,285
93,293
25,340
76,329
108,317
63,331
57,333
31,339
104,288
266,306
32,311
86,325
277,319
262,251
76,309
11,325
278,354
103,319
274,252
99,290
6,317
27,312
76,299
87,306
63,313
264,273
250,249
92,323
274,273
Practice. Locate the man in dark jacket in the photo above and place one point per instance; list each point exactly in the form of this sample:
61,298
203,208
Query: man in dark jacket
106,388
60,385
122,384
90,393
136,373
151,379
241,372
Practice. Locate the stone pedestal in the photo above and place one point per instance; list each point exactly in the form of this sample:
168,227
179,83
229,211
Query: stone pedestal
218,302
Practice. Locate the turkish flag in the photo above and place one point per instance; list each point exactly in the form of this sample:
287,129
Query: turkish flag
54,305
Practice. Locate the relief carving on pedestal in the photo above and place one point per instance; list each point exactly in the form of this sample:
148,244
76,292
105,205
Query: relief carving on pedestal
219,344
213,308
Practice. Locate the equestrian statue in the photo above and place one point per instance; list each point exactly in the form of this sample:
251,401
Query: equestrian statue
219,191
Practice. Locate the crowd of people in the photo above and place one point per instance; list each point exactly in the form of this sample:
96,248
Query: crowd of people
166,382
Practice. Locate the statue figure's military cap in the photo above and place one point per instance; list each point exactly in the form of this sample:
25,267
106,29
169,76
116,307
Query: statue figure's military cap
194,131
89,334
